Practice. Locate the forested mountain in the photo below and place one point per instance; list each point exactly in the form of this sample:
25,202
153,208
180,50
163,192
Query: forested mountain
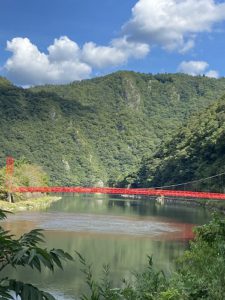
97,131
196,152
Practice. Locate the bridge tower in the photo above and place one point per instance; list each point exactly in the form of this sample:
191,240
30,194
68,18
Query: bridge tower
9,177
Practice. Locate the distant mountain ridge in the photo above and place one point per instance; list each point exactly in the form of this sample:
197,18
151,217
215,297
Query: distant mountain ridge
97,131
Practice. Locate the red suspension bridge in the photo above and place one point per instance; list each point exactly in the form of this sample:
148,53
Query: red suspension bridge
106,190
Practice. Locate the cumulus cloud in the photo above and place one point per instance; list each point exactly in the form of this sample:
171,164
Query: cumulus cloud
102,56
173,24
116,54
28,66
63,49
212,74
194,68
65,60
132,49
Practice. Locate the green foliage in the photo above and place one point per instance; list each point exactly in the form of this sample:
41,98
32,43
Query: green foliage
200,273
196,152
145,286
5,82
25,251
25,291
201,270
3,192
98,290
25,174
170,294
96,131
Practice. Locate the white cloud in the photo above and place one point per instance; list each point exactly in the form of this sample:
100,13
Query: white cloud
102,56
28,66
65,61
119,51
212,74
132,49
194,68
63,49
173,24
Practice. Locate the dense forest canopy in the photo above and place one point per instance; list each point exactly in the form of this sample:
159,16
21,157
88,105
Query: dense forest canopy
96,132
196,151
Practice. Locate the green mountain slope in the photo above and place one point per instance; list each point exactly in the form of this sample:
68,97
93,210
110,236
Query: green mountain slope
96,131
197,151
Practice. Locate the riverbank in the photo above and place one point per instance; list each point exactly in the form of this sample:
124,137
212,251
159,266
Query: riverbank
213,205
30,204
217,205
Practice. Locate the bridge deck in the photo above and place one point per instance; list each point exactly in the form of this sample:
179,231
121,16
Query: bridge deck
121,191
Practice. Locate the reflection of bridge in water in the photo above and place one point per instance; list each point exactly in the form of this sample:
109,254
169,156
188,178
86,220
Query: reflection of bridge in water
110,190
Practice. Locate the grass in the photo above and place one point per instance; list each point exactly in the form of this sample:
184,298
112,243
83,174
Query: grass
30,204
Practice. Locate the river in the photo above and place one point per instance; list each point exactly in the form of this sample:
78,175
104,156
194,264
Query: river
106,230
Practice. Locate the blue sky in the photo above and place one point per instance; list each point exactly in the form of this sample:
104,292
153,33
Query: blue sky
59,41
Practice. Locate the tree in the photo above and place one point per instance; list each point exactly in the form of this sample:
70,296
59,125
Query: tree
25,174
25,251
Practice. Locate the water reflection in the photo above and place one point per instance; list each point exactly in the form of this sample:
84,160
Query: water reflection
122,206
122,254
116,231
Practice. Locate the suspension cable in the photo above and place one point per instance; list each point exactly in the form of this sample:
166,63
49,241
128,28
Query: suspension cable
189,182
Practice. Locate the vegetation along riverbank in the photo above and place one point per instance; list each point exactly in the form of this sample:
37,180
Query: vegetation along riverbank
29,204
213,205
25,174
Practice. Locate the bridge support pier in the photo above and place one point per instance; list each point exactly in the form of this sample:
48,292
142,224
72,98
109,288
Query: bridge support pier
10,197
160,200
